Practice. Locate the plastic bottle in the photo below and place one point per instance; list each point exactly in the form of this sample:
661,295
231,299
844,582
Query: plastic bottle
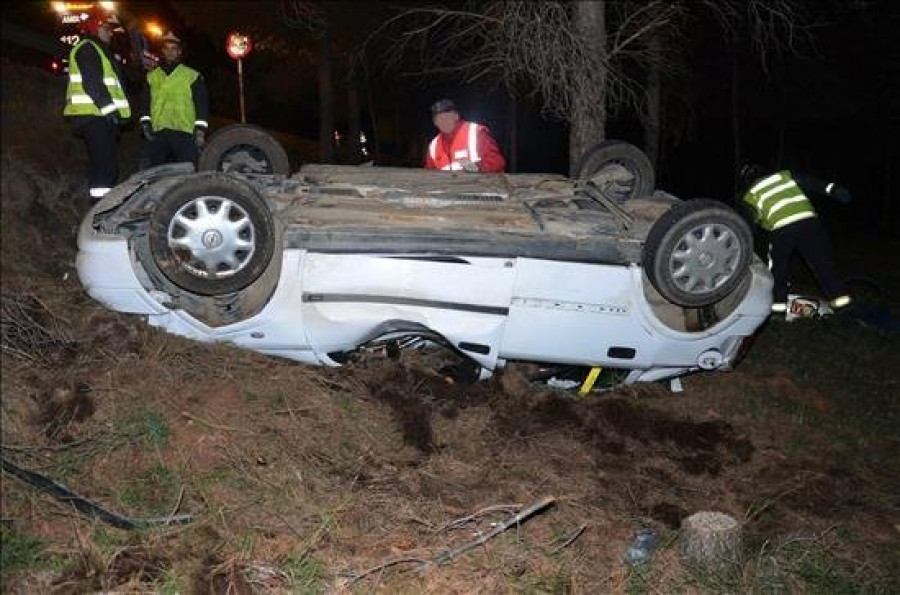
642,547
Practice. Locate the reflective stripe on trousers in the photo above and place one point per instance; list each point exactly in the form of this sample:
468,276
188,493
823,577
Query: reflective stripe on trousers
840,301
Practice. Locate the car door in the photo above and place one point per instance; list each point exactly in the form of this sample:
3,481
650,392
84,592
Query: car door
464,300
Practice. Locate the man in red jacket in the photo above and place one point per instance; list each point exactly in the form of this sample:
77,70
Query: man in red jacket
461,145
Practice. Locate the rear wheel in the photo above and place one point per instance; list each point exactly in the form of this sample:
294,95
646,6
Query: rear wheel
243,148
212,235
697,253
619,170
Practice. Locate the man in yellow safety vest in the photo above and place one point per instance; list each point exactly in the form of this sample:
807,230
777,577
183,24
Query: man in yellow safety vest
96,101
174,110
779,204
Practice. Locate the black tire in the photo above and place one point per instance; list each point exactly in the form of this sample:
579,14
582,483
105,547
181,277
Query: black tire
698,252
244,148
218,258
620,170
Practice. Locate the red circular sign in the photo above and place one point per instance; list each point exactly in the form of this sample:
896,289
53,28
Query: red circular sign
238,45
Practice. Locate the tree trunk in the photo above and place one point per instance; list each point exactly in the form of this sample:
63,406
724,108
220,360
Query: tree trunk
353,123
370,107
588,126
653,109
710,542
513,115
735,114
326,97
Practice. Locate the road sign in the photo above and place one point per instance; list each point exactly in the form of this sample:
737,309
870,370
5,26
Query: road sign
238,45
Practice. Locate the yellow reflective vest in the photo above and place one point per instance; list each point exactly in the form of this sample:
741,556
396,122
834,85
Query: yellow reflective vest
171,99
777,200
79,103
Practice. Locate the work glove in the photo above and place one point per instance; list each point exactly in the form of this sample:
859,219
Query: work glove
841,194
147,130
113,119
199,137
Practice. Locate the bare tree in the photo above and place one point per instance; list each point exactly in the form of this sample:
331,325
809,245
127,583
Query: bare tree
569,54
310,17
770,28
338,29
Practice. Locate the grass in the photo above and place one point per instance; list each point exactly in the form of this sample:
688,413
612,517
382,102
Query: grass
107,539
155,428
789,564
174,583
306,573
246,542
639,578
19,550
808,564
843,373
557,582
69,464
152,491
774,566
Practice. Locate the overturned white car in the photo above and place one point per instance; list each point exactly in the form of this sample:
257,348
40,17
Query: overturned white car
602,271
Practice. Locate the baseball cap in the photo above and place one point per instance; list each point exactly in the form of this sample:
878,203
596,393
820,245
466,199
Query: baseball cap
443,105
170,37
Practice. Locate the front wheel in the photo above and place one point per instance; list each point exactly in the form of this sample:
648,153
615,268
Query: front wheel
212,234
697,253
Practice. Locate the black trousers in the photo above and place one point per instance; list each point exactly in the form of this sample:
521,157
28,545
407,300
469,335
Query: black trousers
169,146
809,238
101,138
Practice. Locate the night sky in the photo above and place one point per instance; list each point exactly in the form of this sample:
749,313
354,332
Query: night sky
831,110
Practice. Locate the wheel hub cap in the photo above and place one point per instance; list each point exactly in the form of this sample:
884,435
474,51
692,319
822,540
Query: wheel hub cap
212,237
705,258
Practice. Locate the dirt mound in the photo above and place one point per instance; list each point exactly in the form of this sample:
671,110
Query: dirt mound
612,426
617,426
39,214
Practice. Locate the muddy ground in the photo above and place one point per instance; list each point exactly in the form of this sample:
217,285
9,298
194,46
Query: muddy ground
300,479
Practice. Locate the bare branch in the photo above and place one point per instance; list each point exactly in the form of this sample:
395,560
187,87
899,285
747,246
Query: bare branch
461,522
300,14
569,539
771,26
513,521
